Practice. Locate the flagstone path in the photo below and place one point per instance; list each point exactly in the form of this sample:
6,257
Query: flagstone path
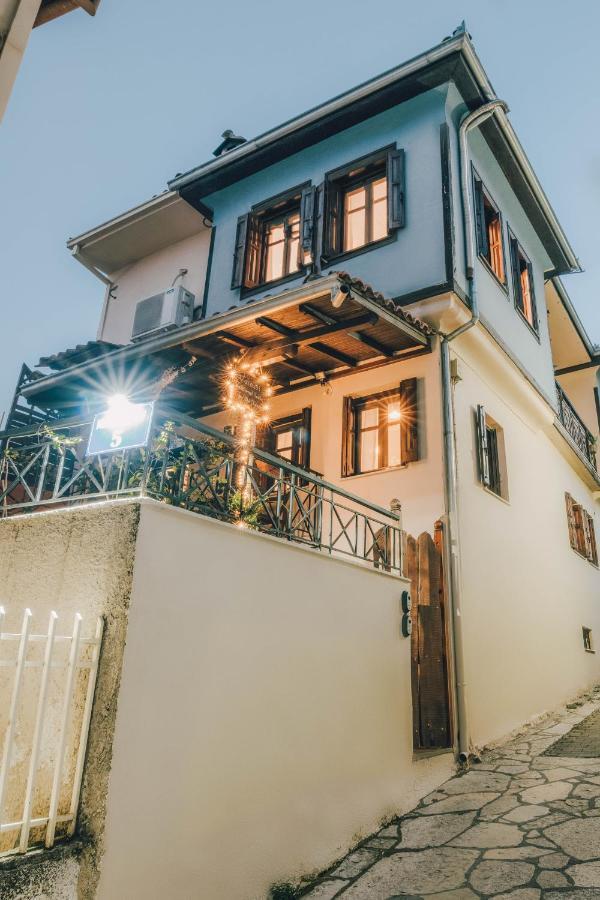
520,825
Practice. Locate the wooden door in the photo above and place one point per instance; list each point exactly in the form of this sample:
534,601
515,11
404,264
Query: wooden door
430,684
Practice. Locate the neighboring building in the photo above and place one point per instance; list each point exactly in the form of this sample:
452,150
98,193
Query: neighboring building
389,265
17,18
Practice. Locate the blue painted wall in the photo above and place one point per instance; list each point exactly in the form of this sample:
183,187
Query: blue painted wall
415,260
497,306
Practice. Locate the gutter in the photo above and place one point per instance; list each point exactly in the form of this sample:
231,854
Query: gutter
451,533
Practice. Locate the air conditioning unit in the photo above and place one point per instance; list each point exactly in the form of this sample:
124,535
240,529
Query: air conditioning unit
161,312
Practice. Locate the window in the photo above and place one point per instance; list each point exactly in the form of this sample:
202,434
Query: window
363,202
489,231
381,430
275,240
588,644
289,437
491,454
582,534
522,274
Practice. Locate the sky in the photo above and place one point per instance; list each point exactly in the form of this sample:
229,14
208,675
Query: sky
106,110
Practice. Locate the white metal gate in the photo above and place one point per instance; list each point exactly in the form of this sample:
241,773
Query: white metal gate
47,686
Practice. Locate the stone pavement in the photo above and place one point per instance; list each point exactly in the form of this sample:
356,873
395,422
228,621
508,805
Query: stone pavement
520,825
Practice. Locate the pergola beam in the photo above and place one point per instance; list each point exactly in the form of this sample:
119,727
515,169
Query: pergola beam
336,354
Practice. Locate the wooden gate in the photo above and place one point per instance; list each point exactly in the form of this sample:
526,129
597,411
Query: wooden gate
423,565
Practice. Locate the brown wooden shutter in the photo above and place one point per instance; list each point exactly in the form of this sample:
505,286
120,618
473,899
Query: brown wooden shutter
348,437
516,274
307,220
578,518
532,296
570,503
409,422
483,451
590,539
332,224
395,189
254,242
304,460
239,255
266,439
480,227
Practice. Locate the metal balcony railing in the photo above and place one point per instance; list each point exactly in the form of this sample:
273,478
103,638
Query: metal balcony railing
195,467
575,428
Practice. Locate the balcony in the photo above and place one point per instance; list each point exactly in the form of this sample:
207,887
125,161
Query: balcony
193,466
577,431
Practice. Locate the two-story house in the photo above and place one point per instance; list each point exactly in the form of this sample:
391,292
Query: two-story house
355,337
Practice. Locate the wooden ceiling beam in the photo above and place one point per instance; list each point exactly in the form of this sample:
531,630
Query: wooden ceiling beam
336,354
369,341
307,336
317,313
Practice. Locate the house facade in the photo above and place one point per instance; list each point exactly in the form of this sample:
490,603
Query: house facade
372,390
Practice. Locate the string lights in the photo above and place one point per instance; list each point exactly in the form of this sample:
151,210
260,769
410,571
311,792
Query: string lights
247,390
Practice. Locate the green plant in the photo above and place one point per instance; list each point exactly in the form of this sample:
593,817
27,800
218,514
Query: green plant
283,890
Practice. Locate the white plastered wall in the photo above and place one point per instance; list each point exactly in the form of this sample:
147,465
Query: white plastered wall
526,593
150,275
264,718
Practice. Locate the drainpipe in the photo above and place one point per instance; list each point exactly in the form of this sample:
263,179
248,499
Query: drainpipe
471,120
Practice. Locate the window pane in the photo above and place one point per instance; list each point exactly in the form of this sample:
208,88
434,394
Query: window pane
393,411
354,230
526,295
293,260
496,259
284,443
380,189
369,418
275,251
355,199
369,445
393,448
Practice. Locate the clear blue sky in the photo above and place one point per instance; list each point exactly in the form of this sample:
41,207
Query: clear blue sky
105,110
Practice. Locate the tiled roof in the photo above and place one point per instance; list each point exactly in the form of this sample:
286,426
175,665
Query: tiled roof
74,356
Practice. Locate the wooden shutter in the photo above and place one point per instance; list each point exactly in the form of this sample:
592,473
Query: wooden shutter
532,296
239,255
266,439
516,274
570,503
483,451
480,227
254,245
395,189
348,437
409,422
307,220
332,219
578,519
590,538
304,460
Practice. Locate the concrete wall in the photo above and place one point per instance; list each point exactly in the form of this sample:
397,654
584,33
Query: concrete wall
150,275
264,715
415,260
72,561
418,485
526,593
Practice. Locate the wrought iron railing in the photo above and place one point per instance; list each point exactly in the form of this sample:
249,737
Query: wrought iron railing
575,428
193,466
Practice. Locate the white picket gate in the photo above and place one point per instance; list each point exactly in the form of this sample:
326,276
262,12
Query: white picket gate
47,684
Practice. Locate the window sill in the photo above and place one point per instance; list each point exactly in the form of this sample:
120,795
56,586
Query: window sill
528,324
377,471
497,496
588,651
269,285
490,271
366,248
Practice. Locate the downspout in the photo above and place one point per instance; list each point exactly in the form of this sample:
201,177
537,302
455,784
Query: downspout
471,120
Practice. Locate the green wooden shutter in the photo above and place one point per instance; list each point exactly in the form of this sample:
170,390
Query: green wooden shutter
409,422
332,224
395,189
571,520
483,451
480,226
304,460
307,220
516,273
348,437
254,245
239,255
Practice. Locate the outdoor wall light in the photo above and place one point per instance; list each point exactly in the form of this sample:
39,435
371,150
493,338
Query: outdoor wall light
121,414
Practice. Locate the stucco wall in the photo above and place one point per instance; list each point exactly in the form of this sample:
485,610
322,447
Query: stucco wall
151,275
526,593
74,561
264,716
418,485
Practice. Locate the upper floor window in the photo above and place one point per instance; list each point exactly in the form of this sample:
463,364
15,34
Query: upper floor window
274,241
363,202
522,274
491,454
489,230
582,534
380,430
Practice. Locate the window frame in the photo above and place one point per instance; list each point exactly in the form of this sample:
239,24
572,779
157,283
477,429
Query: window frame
582,531
588,639
406,394
283,215
514,244
476,181
299,426
492,471
347,177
